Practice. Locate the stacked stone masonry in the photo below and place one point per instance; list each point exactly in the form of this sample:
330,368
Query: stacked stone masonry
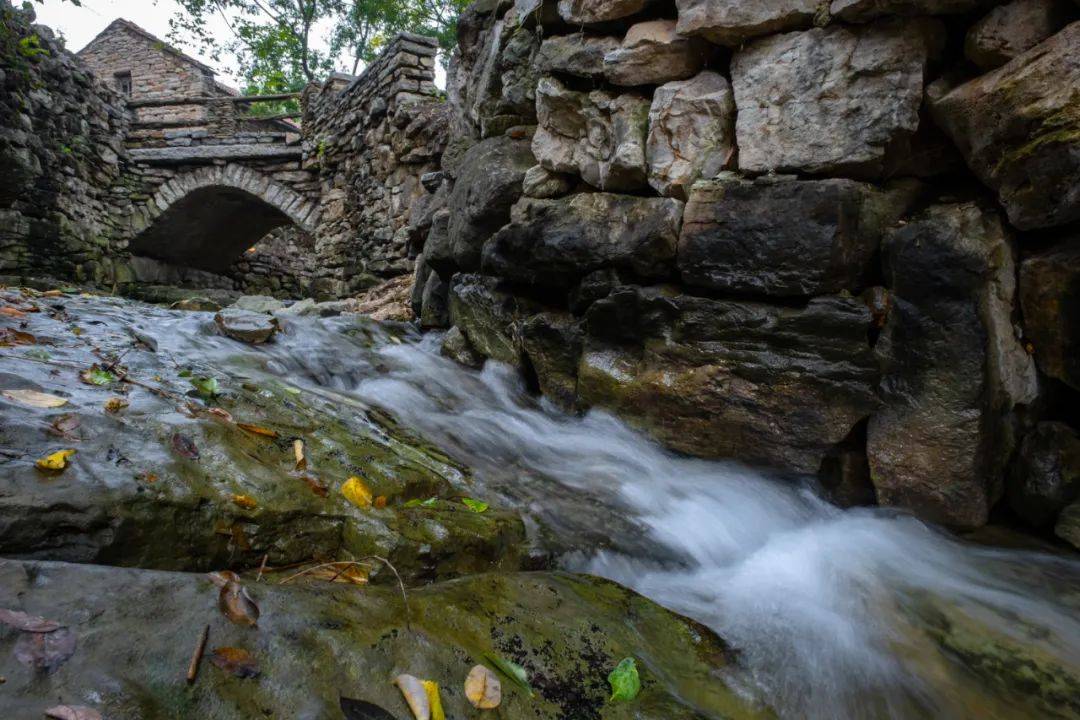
835,238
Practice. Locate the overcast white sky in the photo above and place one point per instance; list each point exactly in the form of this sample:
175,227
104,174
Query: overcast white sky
79,25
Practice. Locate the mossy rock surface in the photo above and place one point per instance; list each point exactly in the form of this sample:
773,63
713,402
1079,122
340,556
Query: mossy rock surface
136,631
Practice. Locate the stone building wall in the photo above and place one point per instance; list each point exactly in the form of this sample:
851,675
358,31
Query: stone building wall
835,238
61,159
371,140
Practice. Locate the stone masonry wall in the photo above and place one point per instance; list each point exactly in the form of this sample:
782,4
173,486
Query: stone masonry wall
370,141
835,238
61,155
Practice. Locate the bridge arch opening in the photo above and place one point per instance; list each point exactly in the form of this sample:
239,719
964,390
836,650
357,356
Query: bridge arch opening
208,218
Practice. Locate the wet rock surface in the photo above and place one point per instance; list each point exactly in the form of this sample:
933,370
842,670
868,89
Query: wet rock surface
1014,28
1050,299
246,326
567,631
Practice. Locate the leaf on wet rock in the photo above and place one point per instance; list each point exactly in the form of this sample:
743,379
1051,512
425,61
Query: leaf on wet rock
298,453
45,651
256,430
417,502
356,492
432,689
245,501
238,662
236,604
624,680
379,502
514,672
72,712
482,688
206,387
416,696
185,446
29,623
65,425
477,506
56,461
363,710
219,414
316,487
115,404
33,398
10,338
221,578
12,312
97,375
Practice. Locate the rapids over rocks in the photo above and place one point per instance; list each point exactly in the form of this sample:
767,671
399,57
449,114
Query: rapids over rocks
827,613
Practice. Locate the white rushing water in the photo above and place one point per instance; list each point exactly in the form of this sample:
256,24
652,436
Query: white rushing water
822,604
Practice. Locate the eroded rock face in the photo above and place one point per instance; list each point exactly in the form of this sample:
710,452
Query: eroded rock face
1018,128
598,135
830,100
691,132
489,181
786,237
540,182
733,22
489,317
553,343
585,12
652,53
1014,28
714,378
1046,476
312,648
577,54
955,369
555,242
1050,298
865,10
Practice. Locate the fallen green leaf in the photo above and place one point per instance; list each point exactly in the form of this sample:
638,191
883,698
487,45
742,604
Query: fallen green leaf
477,506
417,502
514,672
98,376
206,387
185,373
624,680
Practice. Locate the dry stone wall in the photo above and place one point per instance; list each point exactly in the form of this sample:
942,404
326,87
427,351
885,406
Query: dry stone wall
835,238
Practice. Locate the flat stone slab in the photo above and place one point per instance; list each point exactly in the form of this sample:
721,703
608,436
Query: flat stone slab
174,155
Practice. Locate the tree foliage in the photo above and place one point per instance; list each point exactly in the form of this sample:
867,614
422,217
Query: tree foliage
274,42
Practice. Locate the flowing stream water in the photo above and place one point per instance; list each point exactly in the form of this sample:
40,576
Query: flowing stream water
834,613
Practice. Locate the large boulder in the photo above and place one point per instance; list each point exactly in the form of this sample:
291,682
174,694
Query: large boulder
784,237
652,53
587,12
598,135
488,183
553,343
865,10
1014,28
1050,299
1046,476
132,633
833,100
489,317
245,326
1018,127
578,54
691,132
555,242
762,383
955,368
733,22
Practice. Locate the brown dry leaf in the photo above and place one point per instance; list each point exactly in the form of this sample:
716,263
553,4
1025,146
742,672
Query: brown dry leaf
12,312
33,398
72,712
235,661
29,623
115,404
415,696
147,477
237,605
298,451
379,502
351,574
45,651
221,578
316,487
52,293
185,446
245,501
11,338
256,430
482,688
65,426
220,414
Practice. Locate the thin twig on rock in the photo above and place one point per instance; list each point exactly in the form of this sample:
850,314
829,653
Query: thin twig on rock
196,657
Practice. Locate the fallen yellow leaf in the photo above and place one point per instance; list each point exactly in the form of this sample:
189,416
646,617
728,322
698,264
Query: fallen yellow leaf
483,688
432,689
33,398
356,492
115,404
256,430
244,501
298,451
57,461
